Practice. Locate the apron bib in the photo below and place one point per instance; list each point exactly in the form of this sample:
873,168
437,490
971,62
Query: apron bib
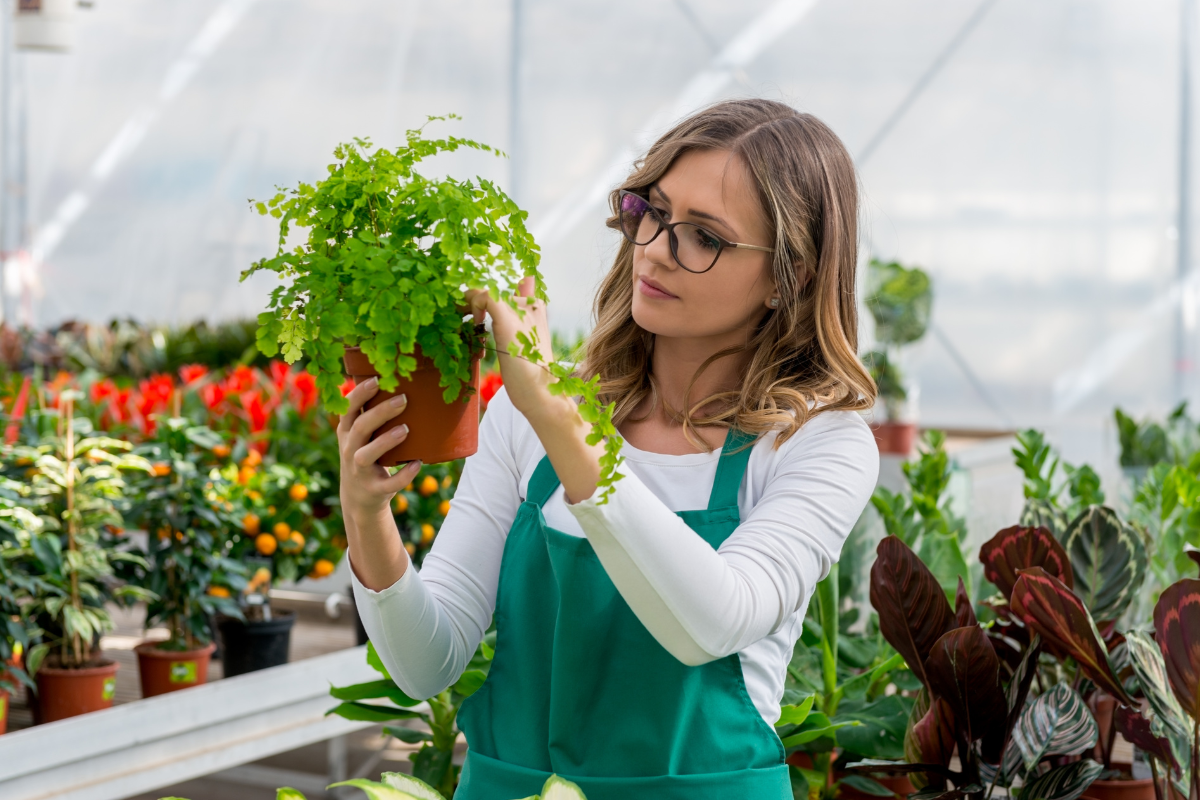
580,688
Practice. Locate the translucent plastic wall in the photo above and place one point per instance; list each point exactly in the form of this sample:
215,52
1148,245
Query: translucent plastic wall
1025,152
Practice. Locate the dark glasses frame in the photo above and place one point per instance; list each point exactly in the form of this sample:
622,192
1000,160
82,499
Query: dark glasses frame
672,239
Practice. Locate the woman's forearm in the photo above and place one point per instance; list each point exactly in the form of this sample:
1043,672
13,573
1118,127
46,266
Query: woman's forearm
563,433
376,553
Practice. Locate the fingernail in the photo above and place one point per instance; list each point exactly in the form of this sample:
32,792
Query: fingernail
399,400
399,431
371,382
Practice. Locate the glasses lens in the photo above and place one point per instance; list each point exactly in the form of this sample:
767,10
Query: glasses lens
695,248
638,222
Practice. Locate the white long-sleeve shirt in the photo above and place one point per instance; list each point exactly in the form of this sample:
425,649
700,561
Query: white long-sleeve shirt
749,596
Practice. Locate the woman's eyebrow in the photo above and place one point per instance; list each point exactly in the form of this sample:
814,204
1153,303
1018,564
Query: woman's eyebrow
694,212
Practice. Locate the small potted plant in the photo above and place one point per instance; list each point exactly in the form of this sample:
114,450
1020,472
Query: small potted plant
74,481
900,300
378,286
179,505
280,538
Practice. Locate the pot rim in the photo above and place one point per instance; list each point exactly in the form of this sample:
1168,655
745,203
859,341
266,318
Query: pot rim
107,667
149,649
424,362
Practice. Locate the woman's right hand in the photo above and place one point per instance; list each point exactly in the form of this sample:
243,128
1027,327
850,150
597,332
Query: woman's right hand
366,487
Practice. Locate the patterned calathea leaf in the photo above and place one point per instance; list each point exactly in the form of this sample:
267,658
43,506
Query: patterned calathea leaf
1057,615
1056,723
1040,513
1108,560
1018,548
1137,731
1177,625
913,609
1151,671
964,671
1192,553
1067,782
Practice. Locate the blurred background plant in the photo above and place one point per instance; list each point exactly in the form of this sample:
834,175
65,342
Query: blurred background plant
900,300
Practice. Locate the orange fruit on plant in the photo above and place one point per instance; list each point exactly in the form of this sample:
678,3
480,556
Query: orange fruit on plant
427,533
293,543
444,507
323,568
409,487
221,451
282,530
410,548
250,524
265,543
164,532
252,459
428,486
253,495
245,474
446,481
218,591
160,470
401,504
298,492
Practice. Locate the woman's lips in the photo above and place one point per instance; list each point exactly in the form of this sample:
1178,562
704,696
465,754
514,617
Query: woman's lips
650,290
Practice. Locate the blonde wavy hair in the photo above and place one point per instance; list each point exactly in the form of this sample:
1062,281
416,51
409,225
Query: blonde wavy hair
803,355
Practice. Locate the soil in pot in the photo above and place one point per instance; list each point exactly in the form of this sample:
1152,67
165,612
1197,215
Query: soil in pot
66,693
895,438
165,671
255,644
437,431
1122,789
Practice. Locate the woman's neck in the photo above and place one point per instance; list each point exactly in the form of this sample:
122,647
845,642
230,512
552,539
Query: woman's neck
674,364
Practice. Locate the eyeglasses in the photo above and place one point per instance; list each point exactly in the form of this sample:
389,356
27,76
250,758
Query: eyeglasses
694,248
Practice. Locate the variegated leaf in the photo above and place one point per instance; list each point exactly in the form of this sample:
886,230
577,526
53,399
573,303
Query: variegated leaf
1039,513
1108,560
1147,662
1177,628
1018,548
1056,723
1067,782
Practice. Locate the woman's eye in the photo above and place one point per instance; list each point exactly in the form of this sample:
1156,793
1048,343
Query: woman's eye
707,240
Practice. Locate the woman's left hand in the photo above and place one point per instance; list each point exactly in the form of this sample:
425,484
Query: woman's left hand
525,382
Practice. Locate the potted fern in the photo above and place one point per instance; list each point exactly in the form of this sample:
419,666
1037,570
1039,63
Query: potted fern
378,285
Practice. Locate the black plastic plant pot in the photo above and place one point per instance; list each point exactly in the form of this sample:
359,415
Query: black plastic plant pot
255,645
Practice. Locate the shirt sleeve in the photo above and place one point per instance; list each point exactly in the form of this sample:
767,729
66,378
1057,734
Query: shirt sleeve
703,604
427,625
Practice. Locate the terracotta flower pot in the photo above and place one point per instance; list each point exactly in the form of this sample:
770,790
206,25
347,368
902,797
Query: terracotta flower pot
437,431
895,438
1142,789
163,671
66,693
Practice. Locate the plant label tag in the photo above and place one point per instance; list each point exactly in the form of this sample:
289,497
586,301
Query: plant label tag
183,672
109,690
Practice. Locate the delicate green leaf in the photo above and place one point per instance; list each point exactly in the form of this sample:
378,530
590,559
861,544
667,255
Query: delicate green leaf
1056,723
375,791
1108,561
414,786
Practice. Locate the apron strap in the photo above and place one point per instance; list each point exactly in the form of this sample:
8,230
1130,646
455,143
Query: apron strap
730,468
542,483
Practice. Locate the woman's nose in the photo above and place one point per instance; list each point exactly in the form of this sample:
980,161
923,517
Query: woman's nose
659,250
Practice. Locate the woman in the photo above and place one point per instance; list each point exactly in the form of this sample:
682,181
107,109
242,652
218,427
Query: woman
643,642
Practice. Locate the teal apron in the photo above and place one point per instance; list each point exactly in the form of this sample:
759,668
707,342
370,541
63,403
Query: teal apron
580,688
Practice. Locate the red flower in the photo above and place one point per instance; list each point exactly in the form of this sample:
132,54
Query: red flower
304,391
255,411
119,404
347,386
488,387
240,380
153,396
279,374
102,390
190,373
212,395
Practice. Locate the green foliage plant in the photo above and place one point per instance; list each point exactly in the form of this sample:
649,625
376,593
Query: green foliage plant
179,504
1166,507
924,518
1147,443
400,786
900,300
387,259
19,632
1053,498
382,701
76,482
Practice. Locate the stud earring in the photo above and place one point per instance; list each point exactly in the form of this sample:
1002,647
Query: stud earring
773,302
